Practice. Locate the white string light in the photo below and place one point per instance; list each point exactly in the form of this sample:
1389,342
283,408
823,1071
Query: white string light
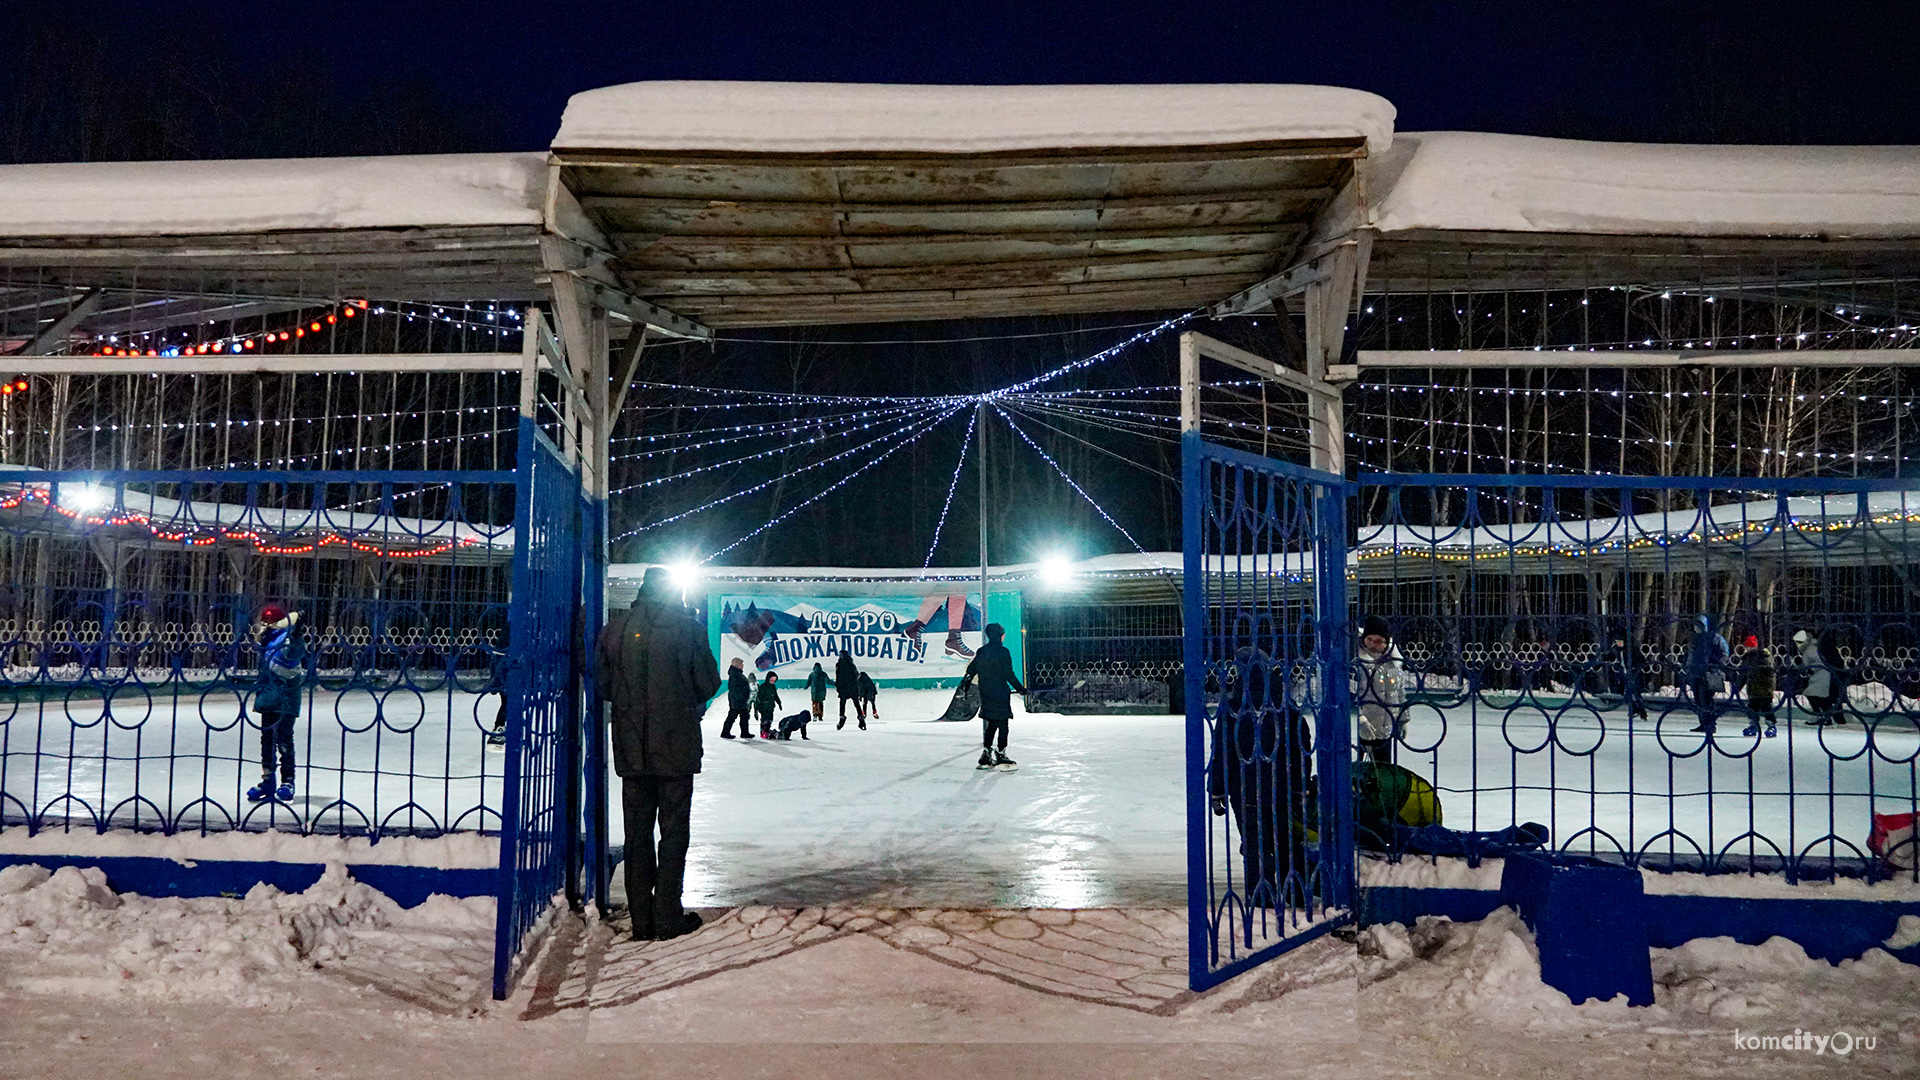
966,442
1048,458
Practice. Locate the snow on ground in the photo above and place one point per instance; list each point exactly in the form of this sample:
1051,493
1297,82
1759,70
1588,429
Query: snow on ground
338,981
774,117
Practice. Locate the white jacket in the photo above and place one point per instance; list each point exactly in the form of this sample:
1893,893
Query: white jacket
1819,676
1380,692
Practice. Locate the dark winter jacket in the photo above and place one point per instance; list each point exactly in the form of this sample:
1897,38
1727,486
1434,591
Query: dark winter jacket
867,689
817,683
767,697
1707,655
846,677
283,665
993,667
1759,667
659,673
739,694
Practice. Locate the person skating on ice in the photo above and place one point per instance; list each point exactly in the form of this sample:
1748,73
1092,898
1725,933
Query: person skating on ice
276,699
993,671
956,616
739,700
817,683
869,696
1759,665
765,700
846,679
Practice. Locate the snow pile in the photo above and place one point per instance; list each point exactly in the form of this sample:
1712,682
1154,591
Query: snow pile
1489,968
448,851
1516,183
164,198
1906,935
803,118
66,932
1777,982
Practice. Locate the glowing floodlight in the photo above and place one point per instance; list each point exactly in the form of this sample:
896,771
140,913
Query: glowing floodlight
684,574
1056,571
85,499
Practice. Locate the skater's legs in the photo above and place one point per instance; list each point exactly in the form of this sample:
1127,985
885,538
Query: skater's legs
276,745
988,728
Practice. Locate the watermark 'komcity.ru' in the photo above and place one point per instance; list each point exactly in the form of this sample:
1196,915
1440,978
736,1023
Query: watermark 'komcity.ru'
1840,1043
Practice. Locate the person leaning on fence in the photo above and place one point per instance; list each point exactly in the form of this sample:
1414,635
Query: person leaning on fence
661,673
1758,667
739,700
276,698
1706,672
1378,689
1824,686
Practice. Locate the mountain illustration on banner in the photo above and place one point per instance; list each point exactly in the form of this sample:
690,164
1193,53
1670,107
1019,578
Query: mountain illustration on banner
752,622
888,637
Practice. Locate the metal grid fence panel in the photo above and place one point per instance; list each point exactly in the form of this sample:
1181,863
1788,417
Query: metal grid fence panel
540,835
1269,803
128,697
1556,669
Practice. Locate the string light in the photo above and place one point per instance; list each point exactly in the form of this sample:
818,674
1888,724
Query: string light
965,443
836,485
685,473
1048,458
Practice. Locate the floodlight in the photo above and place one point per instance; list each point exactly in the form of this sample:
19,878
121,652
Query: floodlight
85,499
1056,571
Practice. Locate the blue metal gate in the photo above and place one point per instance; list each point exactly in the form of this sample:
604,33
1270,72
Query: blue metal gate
1269,804
539,835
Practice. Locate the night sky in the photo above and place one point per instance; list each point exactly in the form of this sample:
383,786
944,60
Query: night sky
85,81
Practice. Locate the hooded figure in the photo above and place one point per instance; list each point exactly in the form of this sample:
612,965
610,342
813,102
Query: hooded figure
1706,671
846,679
739,699
660,674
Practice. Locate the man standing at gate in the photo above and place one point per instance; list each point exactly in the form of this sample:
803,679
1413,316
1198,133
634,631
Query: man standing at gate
660,673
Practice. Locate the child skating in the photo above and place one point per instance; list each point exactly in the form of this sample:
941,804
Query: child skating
765,700
993,669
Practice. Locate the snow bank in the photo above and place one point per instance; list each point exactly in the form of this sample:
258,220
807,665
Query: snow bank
450,852
811,118
1418,873
163,198
1516,183
66,932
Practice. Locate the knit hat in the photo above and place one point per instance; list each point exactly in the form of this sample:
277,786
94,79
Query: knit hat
276,615
1752,642
1801,637
1373,626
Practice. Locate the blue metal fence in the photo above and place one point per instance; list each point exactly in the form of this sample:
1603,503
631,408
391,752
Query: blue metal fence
540,835
1270,862
1556,669
131,665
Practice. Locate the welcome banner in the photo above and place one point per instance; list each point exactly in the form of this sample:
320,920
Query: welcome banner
897,640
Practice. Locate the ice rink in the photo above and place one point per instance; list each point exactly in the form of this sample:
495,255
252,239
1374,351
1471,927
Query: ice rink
898,815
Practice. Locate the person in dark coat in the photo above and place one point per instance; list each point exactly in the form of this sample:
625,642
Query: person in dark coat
817,684
993,667
276,698
869,697
1706,672
1624,659
1758,668
1259,770
739,700
660,674
765,700
846,679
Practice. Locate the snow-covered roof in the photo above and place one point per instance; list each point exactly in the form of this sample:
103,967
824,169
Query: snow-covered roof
1473,181
172,198
813,118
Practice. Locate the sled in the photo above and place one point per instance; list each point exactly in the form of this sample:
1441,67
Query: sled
965,704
